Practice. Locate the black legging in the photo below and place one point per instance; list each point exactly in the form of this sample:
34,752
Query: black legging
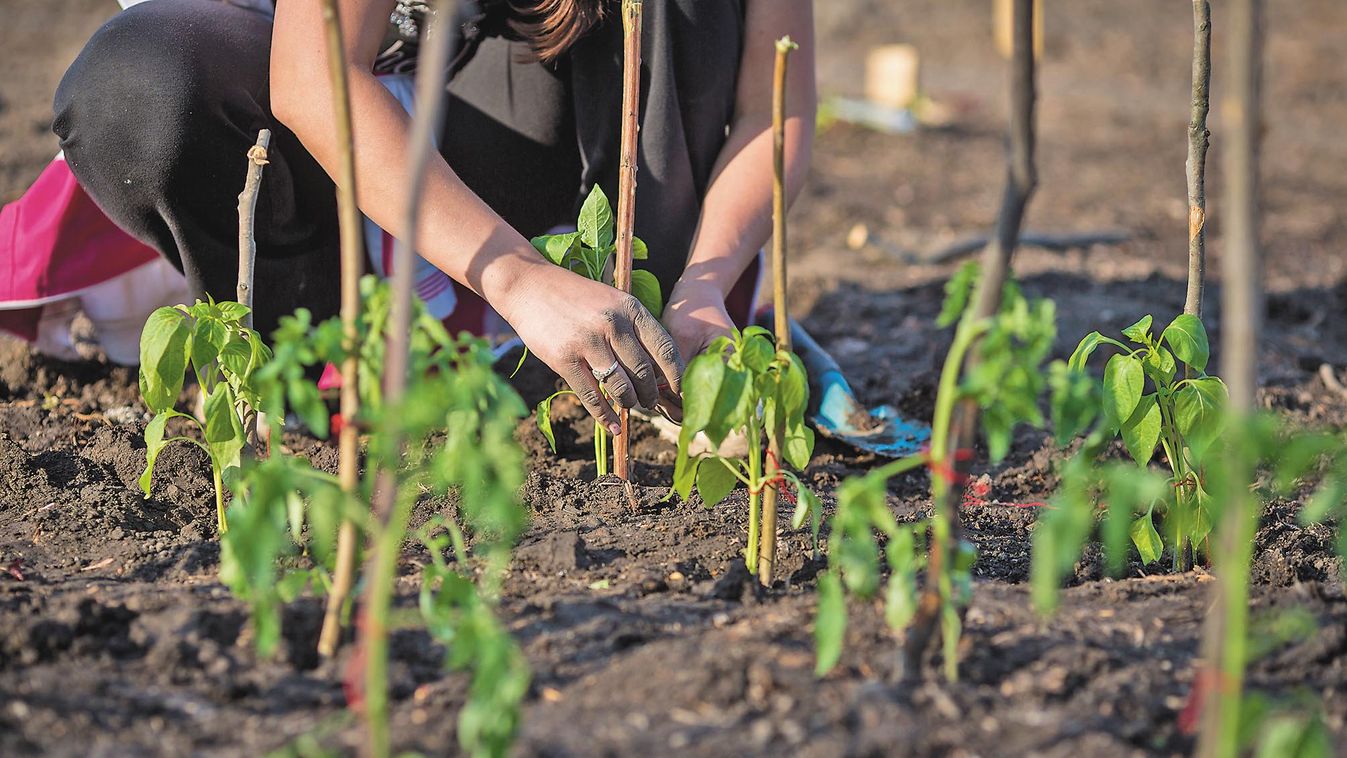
157,113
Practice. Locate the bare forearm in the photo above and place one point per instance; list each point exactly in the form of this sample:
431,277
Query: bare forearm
736,218
457,231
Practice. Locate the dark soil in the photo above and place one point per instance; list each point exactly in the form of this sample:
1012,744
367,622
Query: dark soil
636,616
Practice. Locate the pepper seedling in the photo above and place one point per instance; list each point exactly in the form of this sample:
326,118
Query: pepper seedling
210,340
1005,383
1181,415
452,431
589,252
745,384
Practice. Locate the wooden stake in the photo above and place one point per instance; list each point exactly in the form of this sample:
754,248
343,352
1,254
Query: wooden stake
1021,181
626,190
257,158
1224,634
781,311
1196,165
436,51
352,266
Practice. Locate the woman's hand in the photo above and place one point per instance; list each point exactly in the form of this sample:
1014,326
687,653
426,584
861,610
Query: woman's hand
579,327
696,315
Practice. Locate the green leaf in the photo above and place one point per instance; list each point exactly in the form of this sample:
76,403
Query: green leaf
1073,401
1083,351
163,358
557,248
1141,432
1139,331
154,443
957,291
224,431
730,410
543,414
701,387
830,623
1146,539
715,481
596,220
231,311
645,287
208,338
1159,365
806,502
685,470
1188,339
1124,378
757,353
1199,412
798,445
639,251
307,403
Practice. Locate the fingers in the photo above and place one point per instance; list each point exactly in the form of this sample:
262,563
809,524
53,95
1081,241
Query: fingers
586,387
618,383
637,368
661,347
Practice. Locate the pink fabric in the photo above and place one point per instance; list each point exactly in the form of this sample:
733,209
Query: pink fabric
55,241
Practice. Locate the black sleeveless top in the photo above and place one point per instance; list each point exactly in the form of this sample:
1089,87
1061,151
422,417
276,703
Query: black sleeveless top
525,115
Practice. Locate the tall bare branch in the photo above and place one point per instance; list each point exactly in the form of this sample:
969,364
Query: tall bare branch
626,190
352,266
1021,181
1224,633
1196,165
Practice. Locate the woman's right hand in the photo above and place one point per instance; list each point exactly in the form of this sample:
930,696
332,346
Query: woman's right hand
578,327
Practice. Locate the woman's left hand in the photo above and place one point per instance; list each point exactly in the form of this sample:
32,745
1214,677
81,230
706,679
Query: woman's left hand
696,316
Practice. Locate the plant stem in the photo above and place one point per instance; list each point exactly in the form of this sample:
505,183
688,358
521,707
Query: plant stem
626,192
1223,638
352,265
390,508
754,494
1196,165
1021,180
600,451
767,551
220,521
374,622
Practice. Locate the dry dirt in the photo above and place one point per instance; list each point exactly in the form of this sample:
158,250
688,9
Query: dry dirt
116,637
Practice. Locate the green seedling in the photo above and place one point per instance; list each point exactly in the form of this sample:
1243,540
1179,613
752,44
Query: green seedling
456,422
1005,383
1285,462
589,252
745,384
210,340
1156,396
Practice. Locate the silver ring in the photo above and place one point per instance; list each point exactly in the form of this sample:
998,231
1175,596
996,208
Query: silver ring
602,376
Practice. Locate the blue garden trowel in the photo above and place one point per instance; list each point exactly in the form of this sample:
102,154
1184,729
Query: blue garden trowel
835,412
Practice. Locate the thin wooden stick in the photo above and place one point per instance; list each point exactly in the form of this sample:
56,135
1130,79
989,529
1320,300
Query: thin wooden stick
252,184
257,158
780,309
436,52
352,266
1196,166
1021,181
1224,637
626,191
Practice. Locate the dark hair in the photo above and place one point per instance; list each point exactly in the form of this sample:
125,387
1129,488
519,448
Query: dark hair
552,26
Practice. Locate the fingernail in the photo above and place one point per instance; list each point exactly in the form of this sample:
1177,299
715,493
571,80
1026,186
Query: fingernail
615,428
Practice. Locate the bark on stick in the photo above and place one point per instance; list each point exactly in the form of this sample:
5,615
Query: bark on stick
1224,637
1196,165
436,51
352,266
626,190
781,313
257,158
1021,180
